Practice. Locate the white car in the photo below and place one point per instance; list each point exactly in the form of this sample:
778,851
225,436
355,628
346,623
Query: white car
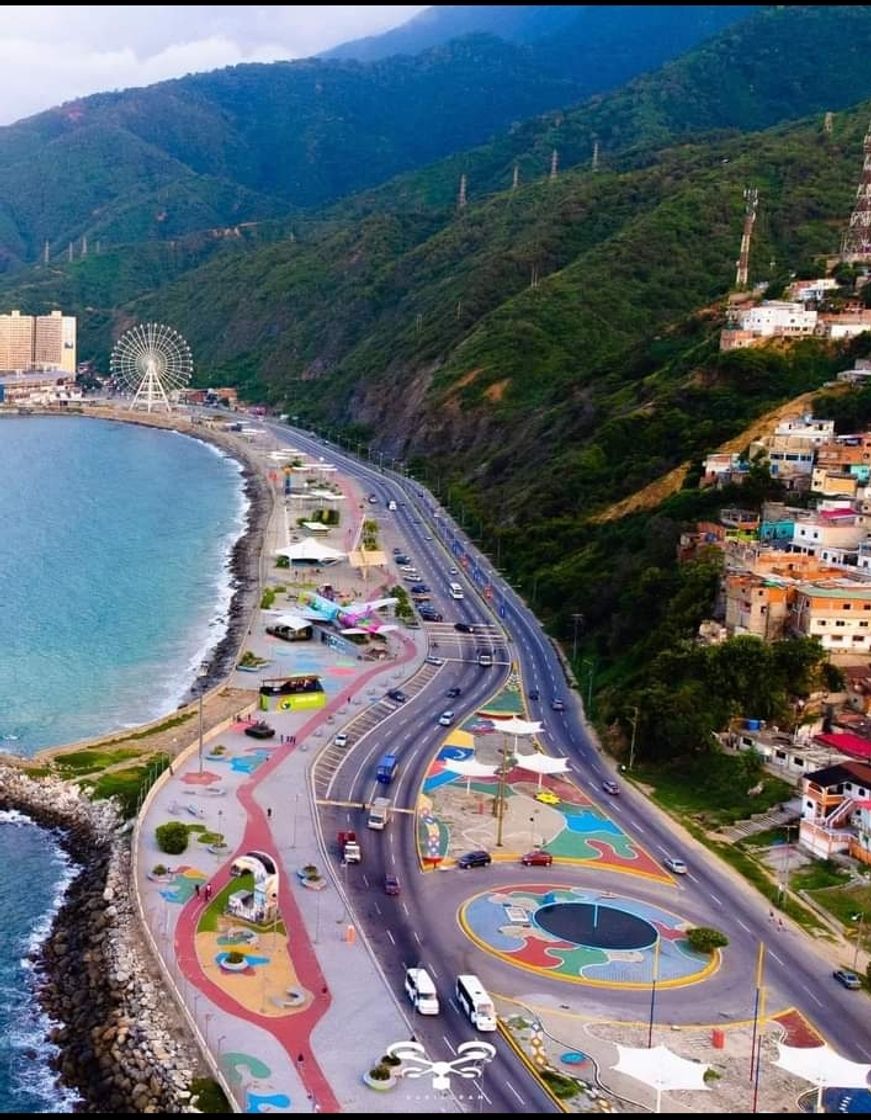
433,660
446,719
341,740
675,866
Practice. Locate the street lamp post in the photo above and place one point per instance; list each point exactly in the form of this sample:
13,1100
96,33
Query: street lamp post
589,661
653,991
861,918
576,618
500,799
632,743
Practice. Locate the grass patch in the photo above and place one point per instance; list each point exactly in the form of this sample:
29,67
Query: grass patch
128,784
770,838
208,1096
818,875
92,758
844,903
712,789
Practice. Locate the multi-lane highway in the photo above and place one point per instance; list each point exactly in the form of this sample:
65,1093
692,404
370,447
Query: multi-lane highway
420,925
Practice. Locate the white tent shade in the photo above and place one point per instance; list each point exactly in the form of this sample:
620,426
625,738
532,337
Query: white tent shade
660,1068
470,768
516,726
291,621
541,763
824,1067
310,549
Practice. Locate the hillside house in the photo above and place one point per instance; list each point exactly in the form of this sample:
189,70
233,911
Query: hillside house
836,811
756,605
837,612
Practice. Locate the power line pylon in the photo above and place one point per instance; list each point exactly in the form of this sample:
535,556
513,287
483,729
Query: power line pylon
751,201
856,244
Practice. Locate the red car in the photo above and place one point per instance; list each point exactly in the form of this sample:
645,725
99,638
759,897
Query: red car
538,858
391,884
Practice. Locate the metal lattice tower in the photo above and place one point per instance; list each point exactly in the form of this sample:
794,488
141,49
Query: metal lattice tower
751,201
856,246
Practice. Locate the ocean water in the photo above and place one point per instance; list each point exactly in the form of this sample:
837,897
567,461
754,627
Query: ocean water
115,542
114,579
29,898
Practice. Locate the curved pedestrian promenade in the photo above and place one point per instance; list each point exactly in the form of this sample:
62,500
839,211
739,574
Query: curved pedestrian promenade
292,1016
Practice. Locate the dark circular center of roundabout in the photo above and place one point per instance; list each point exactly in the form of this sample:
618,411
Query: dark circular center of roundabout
595,925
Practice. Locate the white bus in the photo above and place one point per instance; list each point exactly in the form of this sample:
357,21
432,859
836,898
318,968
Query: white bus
455,591
473,999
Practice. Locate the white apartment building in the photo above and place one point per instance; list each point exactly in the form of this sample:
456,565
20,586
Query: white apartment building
778,318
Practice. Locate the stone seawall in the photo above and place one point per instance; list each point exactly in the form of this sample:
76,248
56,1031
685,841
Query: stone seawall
121,1045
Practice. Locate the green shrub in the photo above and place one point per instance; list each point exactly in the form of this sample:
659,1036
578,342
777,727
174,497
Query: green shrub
390,1060
267,598
380,1072
234,957
159,869
561,1086
172,837
706,940
208,1096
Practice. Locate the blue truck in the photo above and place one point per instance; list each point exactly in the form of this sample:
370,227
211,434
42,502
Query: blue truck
387,768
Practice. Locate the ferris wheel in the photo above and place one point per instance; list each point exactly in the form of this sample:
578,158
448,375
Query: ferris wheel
153,362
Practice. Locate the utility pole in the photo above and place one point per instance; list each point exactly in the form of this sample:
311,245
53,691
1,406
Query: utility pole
596,154
861,918
554,163
576,618
84,245
516,177
70,251
461,200
533,276
200,749
632,743
827,123
45,252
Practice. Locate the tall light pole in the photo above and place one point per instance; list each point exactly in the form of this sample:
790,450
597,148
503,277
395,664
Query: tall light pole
500,800
589,661
576,618
861,918
632,743
653,991
200,748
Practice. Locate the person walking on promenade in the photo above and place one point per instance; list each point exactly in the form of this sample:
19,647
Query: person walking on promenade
197,889
269,814
208,890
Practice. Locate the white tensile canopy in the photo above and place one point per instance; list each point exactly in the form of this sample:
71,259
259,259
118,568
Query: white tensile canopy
824,1067
469,768
291,621
541,764
310,549
516,726
661,1069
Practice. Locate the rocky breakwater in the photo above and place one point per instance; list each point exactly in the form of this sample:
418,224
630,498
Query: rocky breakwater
119,1044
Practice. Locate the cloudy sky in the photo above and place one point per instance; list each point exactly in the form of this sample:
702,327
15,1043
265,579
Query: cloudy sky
50,53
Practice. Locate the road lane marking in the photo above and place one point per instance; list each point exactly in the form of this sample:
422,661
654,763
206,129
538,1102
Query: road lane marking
390,935
405,908
813,997
417,938
772,953
714,897
741,924
508,1085
448,1044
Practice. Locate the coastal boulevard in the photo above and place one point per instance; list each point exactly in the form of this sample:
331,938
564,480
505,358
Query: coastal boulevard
797,969
321,1002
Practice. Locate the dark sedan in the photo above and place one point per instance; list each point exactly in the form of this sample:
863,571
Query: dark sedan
260,730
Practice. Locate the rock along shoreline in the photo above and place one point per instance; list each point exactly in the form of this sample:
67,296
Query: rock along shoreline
122,1045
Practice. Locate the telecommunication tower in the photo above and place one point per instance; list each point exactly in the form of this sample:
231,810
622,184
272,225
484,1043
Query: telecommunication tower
461,199
856,245
596,155
751,201
554,163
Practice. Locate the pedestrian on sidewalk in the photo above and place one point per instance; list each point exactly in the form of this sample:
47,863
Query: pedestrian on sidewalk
269,814
208,891
197,889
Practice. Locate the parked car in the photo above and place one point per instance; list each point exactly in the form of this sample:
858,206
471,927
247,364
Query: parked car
421,588
397,552
675,866
391,884
537,858
610,787
463,627
475,859
454,691
433,660
341,740
401,558
534,694
398,695
558,704
431,615
446,718
847,978
260,730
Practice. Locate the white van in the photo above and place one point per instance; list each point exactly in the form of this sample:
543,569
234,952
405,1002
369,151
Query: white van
455,591
421,990
391,505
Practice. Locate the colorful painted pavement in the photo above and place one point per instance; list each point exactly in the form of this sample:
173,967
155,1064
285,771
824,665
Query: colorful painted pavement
585,936
570,825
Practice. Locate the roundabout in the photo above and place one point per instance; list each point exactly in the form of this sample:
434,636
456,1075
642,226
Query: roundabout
584,937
